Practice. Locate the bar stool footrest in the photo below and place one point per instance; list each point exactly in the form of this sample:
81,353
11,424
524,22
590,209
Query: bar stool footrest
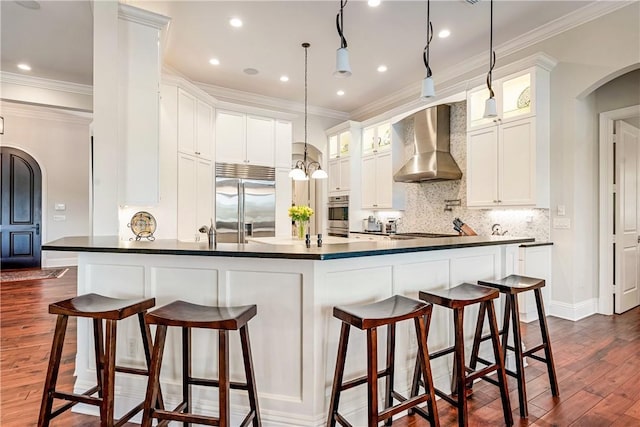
342,420
80,398
450,400
361,380
442,352
534,350
185,418
405,404
74,402
481,373
215,383
126,417
133,371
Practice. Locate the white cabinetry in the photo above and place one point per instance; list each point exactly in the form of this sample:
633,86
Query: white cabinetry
508,156
245,138
339,169
195,126
195,195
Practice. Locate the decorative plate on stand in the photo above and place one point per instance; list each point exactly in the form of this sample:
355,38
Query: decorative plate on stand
143,225
524,100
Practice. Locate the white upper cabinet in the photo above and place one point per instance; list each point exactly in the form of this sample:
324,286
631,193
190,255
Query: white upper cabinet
376,139
246,138
515,99
195,126
377,181
508,156
339,165
284,142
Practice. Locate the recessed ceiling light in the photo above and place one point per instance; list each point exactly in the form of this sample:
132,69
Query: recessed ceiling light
382,68
444,34
374,3
340,92
250,71
284,78
33,5
24,67
214,61
235,22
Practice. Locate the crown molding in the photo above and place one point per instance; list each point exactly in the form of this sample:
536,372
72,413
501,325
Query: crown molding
42,113
142,16
581,16
42,83
234,96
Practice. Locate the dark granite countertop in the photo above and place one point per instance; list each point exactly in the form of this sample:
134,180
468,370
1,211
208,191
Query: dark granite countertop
112,244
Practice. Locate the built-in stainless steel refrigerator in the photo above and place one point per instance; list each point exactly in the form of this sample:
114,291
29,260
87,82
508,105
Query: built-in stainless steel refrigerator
245,202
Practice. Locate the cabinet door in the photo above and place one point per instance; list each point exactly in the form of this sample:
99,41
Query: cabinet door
260,141
186,122
482,167
369,196
284,141
369,142
187,194
204,130
334,175
517,159
230,137
384,180
204,196
345,174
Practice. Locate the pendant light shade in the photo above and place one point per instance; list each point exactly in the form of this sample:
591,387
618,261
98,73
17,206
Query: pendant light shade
343,69
428,89
303,168
490,108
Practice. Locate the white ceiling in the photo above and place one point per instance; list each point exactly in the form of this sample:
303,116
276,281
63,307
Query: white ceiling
57,41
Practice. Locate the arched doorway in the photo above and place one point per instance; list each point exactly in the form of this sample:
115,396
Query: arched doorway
21,213
308,193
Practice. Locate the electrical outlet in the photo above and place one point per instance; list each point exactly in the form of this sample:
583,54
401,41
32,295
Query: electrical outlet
561,223
529,218
132,347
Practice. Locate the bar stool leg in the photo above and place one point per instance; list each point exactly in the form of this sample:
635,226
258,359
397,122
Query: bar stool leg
505,327
223,373
391,346
517,348
109,375
154,374
372,376
544,329
459,367
337,378
52,371
423,359
498,354
186,371
249,374
147,346
98,344
477,339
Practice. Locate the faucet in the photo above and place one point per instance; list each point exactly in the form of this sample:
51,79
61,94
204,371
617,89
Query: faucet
496,230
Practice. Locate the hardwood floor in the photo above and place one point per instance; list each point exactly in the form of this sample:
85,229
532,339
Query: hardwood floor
597,361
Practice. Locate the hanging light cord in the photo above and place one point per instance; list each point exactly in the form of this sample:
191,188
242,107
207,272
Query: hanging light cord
492,55
306,47
340,24
425,53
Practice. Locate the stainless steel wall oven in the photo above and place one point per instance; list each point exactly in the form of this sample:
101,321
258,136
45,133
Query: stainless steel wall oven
338,216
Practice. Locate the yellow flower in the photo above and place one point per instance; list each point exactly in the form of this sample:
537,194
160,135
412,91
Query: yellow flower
300,213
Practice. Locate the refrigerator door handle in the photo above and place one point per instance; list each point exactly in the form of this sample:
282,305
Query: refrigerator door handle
240,213
243,214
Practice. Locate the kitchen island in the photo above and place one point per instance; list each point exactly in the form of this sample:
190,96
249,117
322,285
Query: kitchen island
294,336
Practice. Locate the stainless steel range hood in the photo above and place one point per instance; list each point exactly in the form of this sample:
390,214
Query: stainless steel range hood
432,159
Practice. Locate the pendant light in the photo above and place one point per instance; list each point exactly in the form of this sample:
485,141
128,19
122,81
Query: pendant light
428,90
343,69
490,108
300,171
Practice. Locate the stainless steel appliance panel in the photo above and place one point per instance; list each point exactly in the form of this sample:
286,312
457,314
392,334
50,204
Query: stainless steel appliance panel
338,216
259,208
228,193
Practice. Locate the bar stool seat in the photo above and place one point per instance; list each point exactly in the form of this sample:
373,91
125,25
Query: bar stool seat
511,286
186,316
369,317
99,308
457,298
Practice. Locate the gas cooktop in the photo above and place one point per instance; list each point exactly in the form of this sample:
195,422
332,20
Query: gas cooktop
426,235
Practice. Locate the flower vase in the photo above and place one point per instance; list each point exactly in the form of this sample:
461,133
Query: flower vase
302,226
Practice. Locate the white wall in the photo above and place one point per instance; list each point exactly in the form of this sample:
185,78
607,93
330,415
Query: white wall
59,141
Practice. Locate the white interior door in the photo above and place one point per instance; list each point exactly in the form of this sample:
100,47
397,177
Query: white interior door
627,156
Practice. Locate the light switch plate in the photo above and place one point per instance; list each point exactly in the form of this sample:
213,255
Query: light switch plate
561,210
60,207
561,223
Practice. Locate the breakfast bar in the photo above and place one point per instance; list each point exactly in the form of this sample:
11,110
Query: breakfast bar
294,335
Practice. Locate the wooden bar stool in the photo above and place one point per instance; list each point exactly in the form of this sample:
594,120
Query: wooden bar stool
511,286
98,308
369,317
457,298
186,316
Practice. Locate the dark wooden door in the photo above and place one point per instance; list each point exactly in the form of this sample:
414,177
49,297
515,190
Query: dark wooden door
21,214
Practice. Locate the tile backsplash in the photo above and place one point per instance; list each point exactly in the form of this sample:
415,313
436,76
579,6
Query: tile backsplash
425,202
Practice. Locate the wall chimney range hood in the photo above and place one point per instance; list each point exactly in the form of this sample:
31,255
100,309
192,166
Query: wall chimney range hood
432,159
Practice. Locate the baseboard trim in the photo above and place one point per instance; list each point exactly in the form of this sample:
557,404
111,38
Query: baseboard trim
573,312
60,262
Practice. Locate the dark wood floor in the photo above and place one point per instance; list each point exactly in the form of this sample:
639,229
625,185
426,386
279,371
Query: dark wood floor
597,360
